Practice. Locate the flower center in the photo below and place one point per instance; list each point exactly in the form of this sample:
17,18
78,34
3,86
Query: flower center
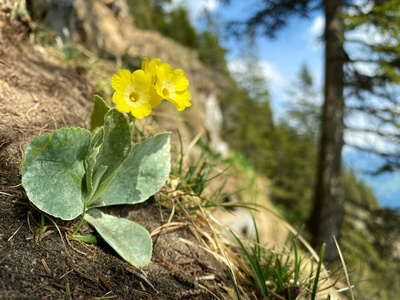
134,97
165,92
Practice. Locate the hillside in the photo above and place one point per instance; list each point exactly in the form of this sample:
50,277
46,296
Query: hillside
48,77
41,92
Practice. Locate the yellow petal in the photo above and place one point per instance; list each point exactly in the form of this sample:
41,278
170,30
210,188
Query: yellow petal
180,82
145,64
158,87
178,73
141,80
183,99
155,99
177,105
118,97
163,71
141,111
152,65
123,107
121,80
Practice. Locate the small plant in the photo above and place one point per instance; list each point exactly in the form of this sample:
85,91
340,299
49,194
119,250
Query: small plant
73,171
276,275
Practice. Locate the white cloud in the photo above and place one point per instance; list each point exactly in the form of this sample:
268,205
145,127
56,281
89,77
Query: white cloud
356,138
318,79
368,140
314,34
317,27
195,7
276,82
269,71
210,5
272,74
369,34
368,69
364,5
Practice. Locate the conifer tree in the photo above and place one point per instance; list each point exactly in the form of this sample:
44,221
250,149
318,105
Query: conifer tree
304,105
341,76
372,87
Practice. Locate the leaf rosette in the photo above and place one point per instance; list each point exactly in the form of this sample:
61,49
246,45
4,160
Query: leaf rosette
71,171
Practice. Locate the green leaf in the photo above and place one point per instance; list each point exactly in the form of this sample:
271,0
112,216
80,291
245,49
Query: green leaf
35,147
142,175
95,144
114,149
99,111
53,172
128,239
88,239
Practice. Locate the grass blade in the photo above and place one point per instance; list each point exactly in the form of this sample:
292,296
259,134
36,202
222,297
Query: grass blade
255,268
321,256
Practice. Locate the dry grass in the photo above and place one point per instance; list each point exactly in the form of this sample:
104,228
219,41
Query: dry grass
209,229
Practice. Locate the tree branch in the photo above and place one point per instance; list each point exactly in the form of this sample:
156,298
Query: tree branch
385,155
380,133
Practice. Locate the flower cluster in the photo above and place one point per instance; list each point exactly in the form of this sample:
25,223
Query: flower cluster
141,91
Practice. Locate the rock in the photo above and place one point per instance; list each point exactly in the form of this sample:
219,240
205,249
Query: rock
213,120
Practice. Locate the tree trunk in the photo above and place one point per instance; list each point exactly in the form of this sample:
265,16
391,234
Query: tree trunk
328,213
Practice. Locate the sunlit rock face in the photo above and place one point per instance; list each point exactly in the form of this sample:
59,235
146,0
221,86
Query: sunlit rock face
243,224
105,28
213,123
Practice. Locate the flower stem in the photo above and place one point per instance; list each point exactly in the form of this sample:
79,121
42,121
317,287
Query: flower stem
42,217
132,124
82,218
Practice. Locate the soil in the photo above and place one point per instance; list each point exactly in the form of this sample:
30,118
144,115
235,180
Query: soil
37,95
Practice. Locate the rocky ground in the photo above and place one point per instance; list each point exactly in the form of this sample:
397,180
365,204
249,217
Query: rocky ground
38,94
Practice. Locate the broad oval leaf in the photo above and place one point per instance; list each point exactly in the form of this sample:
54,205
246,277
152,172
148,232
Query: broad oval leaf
127,238
100,109
53,172
97,139
142,174
116,142
114,149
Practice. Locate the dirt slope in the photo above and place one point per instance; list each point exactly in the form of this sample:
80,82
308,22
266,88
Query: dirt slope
37,94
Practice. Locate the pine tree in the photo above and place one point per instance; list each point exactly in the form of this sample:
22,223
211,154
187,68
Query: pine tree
373,89
304,105
341,76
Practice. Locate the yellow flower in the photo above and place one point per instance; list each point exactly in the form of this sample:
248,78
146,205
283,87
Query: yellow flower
134,92
172,85
150,67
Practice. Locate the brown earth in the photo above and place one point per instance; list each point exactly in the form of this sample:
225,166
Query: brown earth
37,95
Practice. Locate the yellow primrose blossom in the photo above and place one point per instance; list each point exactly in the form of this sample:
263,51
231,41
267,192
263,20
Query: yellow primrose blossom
150,67
172,85
134,92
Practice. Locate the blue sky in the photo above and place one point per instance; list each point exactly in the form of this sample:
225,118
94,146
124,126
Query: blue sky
282,58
